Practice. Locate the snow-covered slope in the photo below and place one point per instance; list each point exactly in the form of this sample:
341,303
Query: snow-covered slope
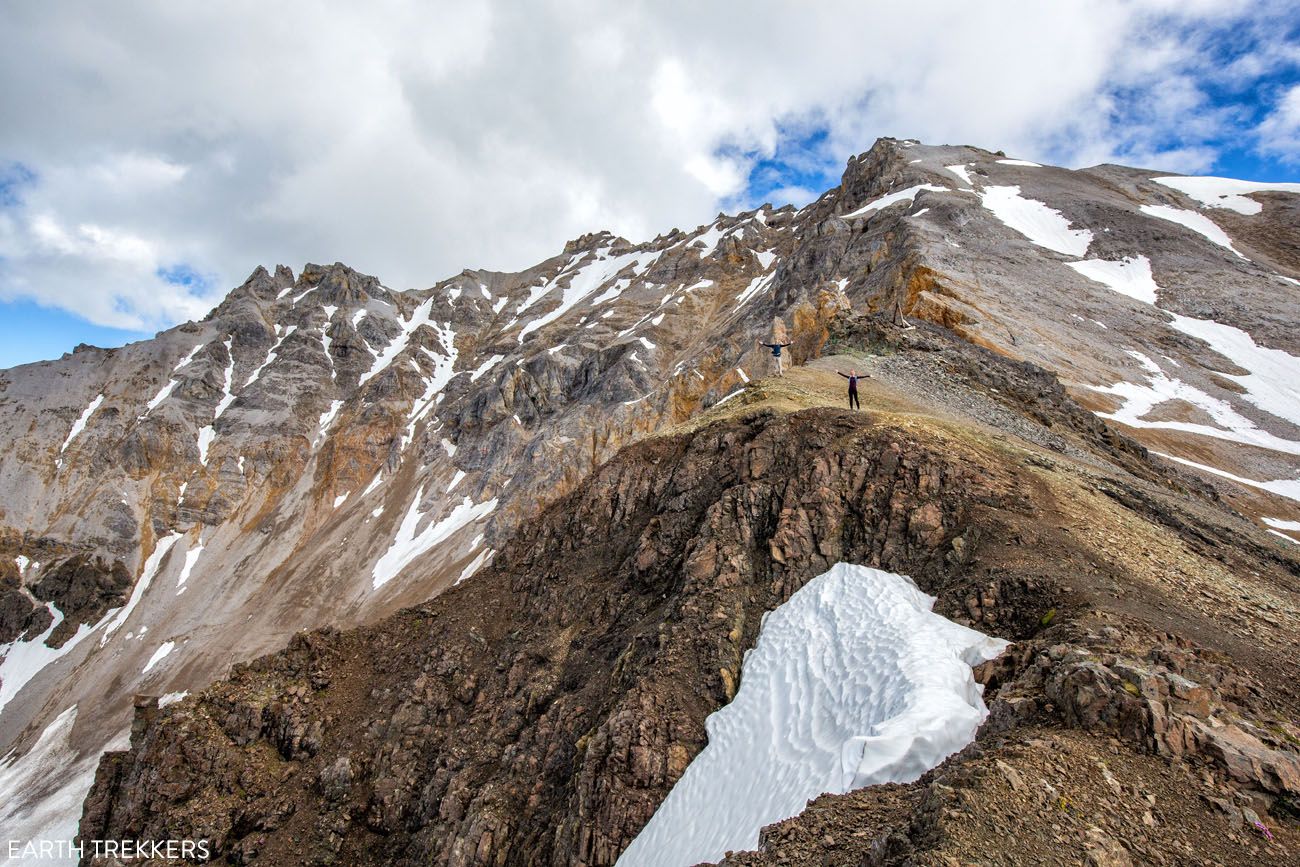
853,681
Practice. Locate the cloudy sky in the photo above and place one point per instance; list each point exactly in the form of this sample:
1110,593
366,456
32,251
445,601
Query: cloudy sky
153,153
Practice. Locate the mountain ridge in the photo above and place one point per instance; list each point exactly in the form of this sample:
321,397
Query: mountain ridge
322,450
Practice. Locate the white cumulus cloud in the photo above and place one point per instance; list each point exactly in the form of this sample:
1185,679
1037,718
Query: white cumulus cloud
413,139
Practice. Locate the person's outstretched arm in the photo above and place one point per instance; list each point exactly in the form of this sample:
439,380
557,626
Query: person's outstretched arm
845,375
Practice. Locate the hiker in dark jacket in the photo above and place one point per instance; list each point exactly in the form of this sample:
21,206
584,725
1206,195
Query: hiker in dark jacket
852,377
776,354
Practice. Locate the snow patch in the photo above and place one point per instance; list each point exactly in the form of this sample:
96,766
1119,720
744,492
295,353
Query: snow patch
191,557
159,655
475,565
1141,399
1020,163
485,367
274,353
166,390
854,681
743,375
455,480
1226,192
584,282
80,424
409,544
1042,225
1288,488
960,171
1131,277
147,574
887,200
23,660
758,284
443,370
172,697
1198,223
326,419
1273,383
398,343
41,792
227,396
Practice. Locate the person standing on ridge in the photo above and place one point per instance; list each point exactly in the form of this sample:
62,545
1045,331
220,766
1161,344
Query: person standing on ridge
776,354
852,377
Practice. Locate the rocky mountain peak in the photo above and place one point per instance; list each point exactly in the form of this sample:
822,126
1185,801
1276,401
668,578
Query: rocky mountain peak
321,451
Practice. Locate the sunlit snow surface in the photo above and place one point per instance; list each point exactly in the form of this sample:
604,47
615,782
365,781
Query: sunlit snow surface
1198,223
1227,193
854,681
887,200
1131,277
80,424
1045,226
409,544
53,781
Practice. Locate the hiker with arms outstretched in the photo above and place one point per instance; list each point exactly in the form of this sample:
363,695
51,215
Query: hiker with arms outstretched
852,377
776,354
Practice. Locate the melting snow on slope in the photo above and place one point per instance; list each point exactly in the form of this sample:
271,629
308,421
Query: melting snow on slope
191,557
1225,192
1042,225
23,660
326,419
408,544
166,390
227,396
1288,488
1276,526
1198,223
80,424
475,564
120,615
887,200
758,284
159,655
443,370
587,280
1142,399
41,793
1020,163
398,343
1273,383
485,367
209,433
854,681
960,171
1131,277
275,351
709,239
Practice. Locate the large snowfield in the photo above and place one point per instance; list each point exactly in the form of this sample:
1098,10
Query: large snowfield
853,681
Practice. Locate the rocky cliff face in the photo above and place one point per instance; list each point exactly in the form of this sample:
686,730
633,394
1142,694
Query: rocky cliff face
324,451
